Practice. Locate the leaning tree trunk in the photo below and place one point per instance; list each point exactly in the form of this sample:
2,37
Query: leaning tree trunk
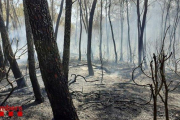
56,83
10,56
89,50
115,52
32,70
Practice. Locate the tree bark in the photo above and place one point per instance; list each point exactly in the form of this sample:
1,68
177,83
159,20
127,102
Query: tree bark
7,26
31,61
67,37
56,83
52,10
80,29
89,51
141,27
2,66
115,52
7,15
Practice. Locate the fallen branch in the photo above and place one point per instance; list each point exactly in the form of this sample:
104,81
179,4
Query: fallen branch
71,82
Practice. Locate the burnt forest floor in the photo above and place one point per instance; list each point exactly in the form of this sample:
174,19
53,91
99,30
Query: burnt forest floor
117,98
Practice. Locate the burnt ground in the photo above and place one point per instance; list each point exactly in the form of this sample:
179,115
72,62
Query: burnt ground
116,99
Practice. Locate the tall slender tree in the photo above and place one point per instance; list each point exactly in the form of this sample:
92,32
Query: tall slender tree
89,50
141,26
107,31
67,37
7,15
129,37
100,43
122,27
112,32
80,36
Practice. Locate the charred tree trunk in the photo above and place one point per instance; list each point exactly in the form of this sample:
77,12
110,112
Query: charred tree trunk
31,61
10,56
7,26
56,82
58,19
89,50
52,11
2,66
67,37
141,27
80,29
7,15
115,52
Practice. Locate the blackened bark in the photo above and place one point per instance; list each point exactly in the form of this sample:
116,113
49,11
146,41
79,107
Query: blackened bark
9,54
7,15
67,37
80,29
7,26
58,19
31,61
56,84
52,10
89,51
2,66
141,27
